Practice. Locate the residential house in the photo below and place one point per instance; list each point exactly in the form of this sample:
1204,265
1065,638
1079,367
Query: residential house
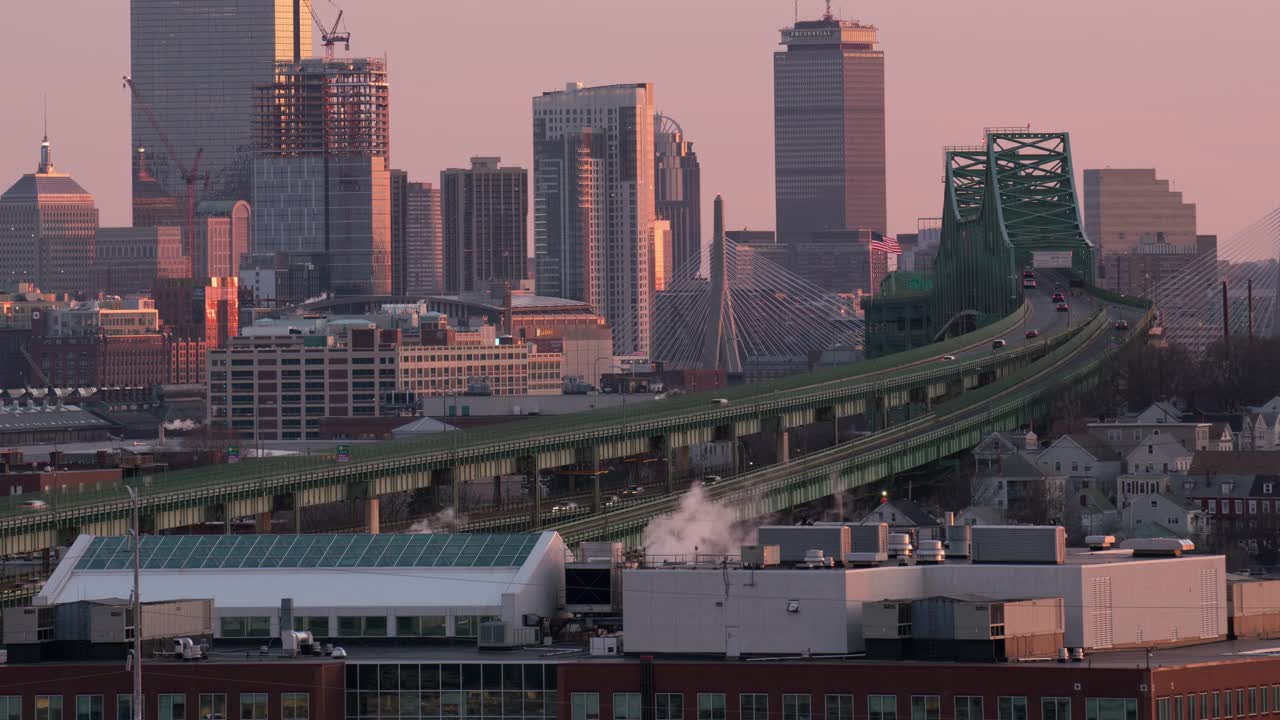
905,516
1158,454
1238,490
1084,460
1271,407
1021,489
1161,412
1221,437
1161,514
1125,436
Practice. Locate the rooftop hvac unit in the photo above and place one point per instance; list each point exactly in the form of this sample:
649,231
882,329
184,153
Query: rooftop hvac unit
600,552
866,559
899,545
608,645
502,636
759,556
297,642
959,541
794,541
1100,542
872,538
1158,547
187,649
930,552
816,559
1039,544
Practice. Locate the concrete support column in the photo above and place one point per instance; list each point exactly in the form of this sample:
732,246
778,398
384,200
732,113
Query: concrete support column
371,515
835,427
670,484
782,445
262,523
536,488
226,520
596,503
457,492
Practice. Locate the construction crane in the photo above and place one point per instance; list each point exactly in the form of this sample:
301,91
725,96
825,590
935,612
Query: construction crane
331,36
189,175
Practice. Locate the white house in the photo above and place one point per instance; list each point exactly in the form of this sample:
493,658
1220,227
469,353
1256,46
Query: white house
1159,413
1158,454
903,515
1271,407
1161,515
1221,438
1082,459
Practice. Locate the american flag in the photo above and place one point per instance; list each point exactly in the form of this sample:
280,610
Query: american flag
887,244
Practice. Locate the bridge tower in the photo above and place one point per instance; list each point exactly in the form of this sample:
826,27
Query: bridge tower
720,350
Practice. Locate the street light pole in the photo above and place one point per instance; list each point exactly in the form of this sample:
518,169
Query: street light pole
137,605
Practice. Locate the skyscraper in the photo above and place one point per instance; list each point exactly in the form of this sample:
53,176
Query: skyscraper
486,224
594,203
829,129
194,63
677,181
322,188
48,226
1123,206
417,252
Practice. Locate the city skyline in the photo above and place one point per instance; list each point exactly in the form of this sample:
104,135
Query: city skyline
932,60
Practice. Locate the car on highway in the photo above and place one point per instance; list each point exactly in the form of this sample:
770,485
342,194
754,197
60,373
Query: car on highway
632,491
1033,334
1063,307
33,505
947,358
611,501
1122,325
563,507
997,344
1057,297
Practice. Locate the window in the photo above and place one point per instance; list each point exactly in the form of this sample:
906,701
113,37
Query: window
1204,706
1253,701
295,706
1240,701
124,707
48,707
469,625
317,625
1217,705
1012,707
882,707
246,627
358,626
668,706
753,706
11,707
253,706
1226,703
213,706
839,707
626,706
422,626
1178,709
1162,708
88,707
797,707
173,706
711,706
1055,708
926,707
1119,708
585,706
968,707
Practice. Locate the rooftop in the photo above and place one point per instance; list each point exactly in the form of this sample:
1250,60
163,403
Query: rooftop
1234,462
68,417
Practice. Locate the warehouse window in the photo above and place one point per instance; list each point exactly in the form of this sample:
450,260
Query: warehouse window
1162,708
711,706
246,627
668,706
295,706
1178,710
926,707
124,707
421,626
626,706
1253,701
358,626
1226,704
253,706
1240,707
1055,708
839,707
173,706
88,707
968,707
1011,707
882,707
753,706
213,706
48,707
1119,708
585,706
317,625
797,707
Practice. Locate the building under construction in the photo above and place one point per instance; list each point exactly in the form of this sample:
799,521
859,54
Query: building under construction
318,107
321,188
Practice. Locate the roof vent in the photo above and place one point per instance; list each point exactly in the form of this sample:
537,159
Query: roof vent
899,545
1158,547
1100,542
930,552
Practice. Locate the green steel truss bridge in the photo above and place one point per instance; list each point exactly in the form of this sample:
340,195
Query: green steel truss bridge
919,405
1004,201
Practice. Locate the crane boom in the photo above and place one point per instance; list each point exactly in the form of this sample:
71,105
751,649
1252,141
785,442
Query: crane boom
329,36
189,175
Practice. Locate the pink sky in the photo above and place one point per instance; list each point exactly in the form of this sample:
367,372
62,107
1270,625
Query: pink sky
1185,86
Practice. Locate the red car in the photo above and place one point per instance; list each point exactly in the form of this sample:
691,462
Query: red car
1033,334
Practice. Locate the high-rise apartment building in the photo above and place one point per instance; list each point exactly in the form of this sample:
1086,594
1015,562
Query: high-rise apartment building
677,180
486,225
829,129
195,63
222,238
48,226
1122,206
200,309
417,245
322,186
594,203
